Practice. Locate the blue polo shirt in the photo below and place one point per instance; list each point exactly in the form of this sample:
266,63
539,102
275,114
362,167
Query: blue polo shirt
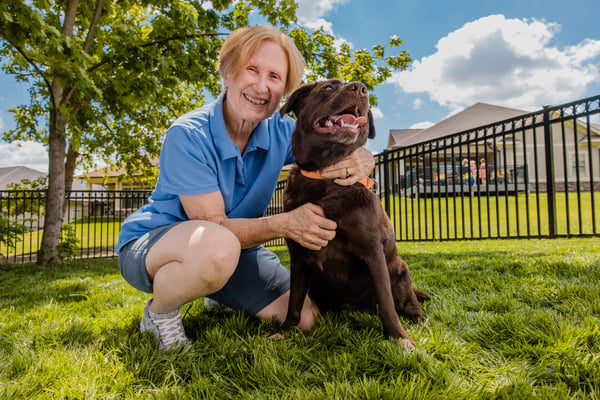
198,156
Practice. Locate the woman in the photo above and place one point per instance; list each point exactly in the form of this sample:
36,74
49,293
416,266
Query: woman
201,232
482,172
473,172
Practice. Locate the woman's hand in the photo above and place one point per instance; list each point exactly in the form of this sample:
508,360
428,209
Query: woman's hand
308,226
351,169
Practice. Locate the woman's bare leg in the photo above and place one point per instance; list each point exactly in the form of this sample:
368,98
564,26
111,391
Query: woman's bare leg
193,259
278,310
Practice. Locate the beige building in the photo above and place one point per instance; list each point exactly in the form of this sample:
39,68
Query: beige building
509,144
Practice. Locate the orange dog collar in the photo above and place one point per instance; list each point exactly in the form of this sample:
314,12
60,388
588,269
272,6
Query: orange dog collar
367,182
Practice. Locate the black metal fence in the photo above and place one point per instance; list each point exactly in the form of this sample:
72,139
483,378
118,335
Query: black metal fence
93,217
540,178
533,176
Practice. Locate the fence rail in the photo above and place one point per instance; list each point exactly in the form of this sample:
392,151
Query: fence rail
541,179
94,216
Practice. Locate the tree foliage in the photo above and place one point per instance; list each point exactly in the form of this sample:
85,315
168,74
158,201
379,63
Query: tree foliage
106,77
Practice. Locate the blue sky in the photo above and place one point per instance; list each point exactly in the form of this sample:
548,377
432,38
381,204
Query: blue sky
516,53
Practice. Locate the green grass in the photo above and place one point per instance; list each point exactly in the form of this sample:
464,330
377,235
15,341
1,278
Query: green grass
100,233
513,319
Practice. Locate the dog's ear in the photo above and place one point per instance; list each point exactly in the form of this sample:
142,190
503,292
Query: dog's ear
294,102
421,295
371,125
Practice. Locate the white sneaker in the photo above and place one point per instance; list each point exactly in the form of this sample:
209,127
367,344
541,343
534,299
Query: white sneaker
167,328
210,303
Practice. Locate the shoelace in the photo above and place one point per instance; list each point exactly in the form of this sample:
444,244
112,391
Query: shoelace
171,331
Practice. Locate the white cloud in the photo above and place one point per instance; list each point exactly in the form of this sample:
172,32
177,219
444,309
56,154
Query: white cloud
377,113
319,23
421,125
310,14
506,62
417,104
30,154
313,10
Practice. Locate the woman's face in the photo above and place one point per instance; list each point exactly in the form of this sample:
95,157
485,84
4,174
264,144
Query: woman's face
256,91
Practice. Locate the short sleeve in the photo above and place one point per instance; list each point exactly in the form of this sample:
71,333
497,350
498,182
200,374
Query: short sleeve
186,164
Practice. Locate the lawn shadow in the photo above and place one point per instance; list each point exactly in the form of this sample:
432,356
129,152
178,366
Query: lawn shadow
29,285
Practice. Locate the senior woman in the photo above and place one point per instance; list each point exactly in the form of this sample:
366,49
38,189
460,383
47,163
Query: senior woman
200,233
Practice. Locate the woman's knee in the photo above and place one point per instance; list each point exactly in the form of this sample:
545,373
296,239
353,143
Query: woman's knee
214,254
208,251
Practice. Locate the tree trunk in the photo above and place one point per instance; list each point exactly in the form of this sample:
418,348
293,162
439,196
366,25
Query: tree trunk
57,151
48,253
70,165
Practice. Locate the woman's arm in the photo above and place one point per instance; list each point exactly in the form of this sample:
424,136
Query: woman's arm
306,225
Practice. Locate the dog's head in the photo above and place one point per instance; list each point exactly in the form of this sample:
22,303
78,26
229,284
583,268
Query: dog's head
332,120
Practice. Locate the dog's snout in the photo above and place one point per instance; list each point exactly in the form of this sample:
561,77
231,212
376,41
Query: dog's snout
358,88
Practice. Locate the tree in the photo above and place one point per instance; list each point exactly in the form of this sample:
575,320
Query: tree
107,77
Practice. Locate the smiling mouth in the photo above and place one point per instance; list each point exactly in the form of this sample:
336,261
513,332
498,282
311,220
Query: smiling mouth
255,101
348,122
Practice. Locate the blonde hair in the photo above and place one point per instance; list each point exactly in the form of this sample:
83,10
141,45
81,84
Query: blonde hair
243,42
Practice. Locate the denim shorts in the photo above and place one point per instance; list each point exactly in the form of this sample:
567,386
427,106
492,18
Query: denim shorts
132,258
258,280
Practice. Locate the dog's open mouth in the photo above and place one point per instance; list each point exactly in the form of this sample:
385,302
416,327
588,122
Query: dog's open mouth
348,123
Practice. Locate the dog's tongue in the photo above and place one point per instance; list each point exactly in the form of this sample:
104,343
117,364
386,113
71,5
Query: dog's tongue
346,123
348,119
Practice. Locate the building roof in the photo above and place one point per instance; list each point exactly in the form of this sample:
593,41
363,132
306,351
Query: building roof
478,114
399,136
16,174
104,172
113,171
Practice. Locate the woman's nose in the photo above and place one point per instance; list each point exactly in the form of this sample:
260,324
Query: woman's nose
262,83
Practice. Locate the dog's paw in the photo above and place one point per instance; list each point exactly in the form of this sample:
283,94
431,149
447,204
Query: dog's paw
277,336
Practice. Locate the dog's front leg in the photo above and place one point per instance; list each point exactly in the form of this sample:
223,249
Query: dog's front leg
298,291
385,300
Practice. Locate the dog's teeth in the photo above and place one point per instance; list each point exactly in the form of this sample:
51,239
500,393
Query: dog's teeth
328,123
344,124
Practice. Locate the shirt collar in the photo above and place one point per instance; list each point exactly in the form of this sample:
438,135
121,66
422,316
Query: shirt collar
259,140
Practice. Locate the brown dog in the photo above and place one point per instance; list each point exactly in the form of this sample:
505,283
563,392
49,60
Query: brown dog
360,268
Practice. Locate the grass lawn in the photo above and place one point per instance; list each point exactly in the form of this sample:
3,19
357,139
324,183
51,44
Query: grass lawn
93,235
512,319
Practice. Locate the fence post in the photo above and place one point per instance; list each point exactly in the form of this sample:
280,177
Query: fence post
550,178
388,184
